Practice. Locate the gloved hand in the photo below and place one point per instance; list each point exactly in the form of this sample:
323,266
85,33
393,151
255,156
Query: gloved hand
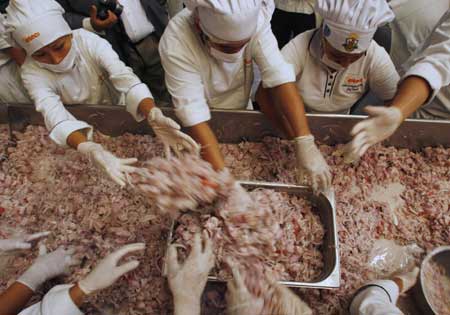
188,280
239,300
168,131
289,303
107,271
383,122
21,242
310,159
114,167
48,266
406,280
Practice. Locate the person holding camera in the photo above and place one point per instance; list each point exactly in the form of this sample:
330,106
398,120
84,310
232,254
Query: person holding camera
78,67
132,27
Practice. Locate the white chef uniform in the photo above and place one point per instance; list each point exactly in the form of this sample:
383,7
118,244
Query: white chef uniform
413,24
197,81
11,87
99,77
328,91
56,302
377,298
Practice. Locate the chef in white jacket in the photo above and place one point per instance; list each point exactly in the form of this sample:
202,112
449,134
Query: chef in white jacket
79,67
11,58
64,299
414,21
208,51
428,70
339,63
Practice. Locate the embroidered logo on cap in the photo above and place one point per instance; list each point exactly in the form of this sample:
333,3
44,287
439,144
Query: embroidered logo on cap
351,42
32,37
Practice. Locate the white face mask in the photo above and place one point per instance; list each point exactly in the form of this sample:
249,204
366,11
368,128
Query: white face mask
330,63
228,58
65,65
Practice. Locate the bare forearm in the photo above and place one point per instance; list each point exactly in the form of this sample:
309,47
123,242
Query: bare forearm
75,138
146,106
210,150
77,295
15,298
271,111
288,100
411,95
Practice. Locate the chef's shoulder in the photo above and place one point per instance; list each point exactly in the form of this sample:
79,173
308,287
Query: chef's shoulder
298,47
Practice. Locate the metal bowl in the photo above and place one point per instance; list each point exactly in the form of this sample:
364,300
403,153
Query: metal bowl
440,255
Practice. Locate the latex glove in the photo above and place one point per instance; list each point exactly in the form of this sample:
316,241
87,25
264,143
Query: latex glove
188,280
21,242
381,124
168,131
48,266
407,279
114,167
239,300
107,271
290,303
310,159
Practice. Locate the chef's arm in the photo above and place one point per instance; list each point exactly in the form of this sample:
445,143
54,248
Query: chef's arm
77,295
210,150
15,298
412,93
145,106
285,99
75,138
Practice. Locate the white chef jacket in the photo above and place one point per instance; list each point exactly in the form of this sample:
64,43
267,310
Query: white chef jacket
328,91
197,81
431,60
377,298
56,302
135,21
296,6
99,77
11,86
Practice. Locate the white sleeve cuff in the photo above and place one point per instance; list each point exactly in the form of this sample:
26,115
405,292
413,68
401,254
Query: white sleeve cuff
87,25
429,73
62,131
58,301
4,44
376,294
192,115
134,97
283,73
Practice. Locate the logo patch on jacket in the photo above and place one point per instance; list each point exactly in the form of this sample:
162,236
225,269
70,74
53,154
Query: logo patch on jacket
32,37
351,42
353,84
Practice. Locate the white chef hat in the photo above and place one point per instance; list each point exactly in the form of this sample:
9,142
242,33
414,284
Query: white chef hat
36,23
349,25
227,20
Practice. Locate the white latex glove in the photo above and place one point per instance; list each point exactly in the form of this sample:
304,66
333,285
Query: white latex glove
107,271
188,280
168,131
407,279
114,167
48,266
310,159
381,124
290,303
239,300
21,242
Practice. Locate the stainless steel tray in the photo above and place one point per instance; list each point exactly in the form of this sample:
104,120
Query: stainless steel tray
325,205
234,126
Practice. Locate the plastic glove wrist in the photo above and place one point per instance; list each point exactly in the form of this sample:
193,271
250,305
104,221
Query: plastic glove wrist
397,115
302,139
89,147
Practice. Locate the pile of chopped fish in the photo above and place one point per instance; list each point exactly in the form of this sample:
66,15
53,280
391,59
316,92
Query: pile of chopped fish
87,210
437,286
266,230
178,184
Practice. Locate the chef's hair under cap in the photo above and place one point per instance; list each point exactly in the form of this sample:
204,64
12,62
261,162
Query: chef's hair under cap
227,20
349,25
36,23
